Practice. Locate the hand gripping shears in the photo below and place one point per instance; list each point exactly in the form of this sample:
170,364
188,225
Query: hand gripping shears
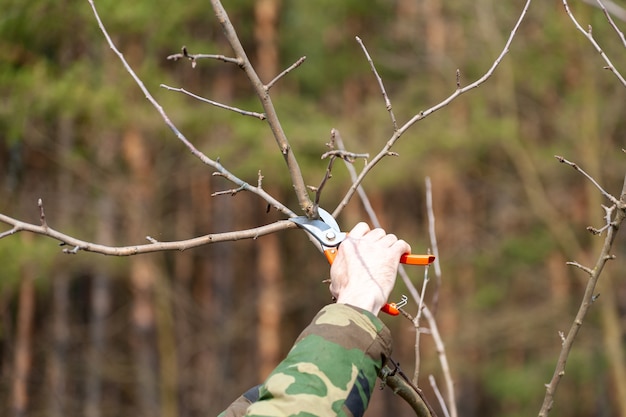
327,232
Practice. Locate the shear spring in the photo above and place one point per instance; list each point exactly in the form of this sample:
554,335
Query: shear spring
403,301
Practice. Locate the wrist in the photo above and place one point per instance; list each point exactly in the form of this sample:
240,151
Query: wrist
360,300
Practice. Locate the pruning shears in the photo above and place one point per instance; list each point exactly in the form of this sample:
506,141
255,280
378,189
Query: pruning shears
327,232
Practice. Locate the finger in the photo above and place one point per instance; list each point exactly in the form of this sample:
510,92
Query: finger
375,235
401,247
359,230
389,239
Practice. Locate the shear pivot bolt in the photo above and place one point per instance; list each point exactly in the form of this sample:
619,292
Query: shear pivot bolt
331,236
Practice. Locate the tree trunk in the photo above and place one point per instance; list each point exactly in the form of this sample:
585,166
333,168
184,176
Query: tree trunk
57,357
22,358
269,306
142,274
266,36
100,289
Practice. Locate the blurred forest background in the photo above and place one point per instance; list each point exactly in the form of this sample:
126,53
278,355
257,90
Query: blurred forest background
184,333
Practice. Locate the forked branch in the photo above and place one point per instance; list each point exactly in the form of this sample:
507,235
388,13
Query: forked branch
567,341
262,91
398,132
589,35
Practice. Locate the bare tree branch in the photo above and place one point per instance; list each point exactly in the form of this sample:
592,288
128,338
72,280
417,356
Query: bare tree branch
588,298
610,8
589,35
618,11
416,324
442,403
262,92
400,384
154,246
194,57
380,84
285,72
205,159
430,318
593,181
256,115
433,243
386,150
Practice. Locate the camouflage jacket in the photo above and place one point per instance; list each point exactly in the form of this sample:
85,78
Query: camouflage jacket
330,371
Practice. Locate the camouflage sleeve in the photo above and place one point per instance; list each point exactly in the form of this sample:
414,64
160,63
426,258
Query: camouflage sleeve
330,371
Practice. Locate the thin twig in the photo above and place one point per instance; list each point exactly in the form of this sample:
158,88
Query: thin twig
197,153
345,155
590,178
609,8
42,215
416,324
285,72
380,84
579,266
299,186
430,318
589,35
442,403
385,151
349,157
588,298
194,57
618,11
433,244
256,115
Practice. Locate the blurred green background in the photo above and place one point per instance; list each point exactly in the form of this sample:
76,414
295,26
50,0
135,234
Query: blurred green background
184,333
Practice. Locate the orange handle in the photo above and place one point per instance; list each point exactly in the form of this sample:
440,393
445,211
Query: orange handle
407,258
390,309
410,259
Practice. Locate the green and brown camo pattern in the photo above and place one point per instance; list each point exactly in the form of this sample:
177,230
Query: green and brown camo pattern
330,371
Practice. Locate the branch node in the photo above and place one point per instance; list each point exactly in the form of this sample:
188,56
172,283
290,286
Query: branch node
151,239
260,180
285,72
577,265
72,251
42,215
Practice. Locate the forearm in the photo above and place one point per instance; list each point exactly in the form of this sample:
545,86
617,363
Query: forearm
332,368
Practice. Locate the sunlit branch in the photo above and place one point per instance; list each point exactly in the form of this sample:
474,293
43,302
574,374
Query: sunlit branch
380,84
386,150
307,206
256,115
77,245
590,178
205,159
194,57
610,8
619,12
442,403
433,243
589,35
416,324
428,315
588,298
285,72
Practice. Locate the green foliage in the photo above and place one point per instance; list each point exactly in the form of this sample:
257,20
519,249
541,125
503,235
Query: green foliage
18,254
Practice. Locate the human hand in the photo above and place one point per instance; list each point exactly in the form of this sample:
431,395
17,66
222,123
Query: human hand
364,271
